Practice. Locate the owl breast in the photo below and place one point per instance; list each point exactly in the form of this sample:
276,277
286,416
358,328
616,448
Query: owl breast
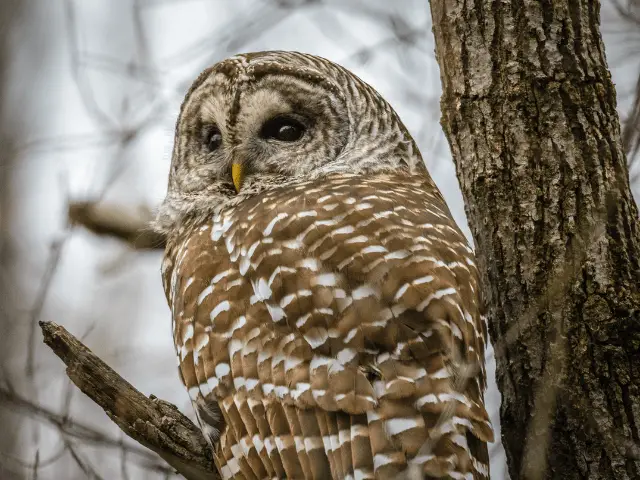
335,326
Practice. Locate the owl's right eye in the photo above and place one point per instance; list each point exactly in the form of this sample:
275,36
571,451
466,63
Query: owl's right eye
214,138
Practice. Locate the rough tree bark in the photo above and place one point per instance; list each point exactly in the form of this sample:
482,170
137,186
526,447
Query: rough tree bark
529,110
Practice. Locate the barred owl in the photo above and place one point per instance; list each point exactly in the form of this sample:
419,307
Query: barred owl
326,309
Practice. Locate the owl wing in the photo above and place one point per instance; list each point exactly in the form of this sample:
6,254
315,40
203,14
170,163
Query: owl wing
337,326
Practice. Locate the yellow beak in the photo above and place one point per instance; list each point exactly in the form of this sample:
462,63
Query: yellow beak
237,171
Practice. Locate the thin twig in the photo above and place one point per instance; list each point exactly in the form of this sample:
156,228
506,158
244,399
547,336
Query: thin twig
74,428
84,465
41,296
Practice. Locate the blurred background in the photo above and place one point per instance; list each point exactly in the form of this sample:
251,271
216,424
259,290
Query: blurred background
89,94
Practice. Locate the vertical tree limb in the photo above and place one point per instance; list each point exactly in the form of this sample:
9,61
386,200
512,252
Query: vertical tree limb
529,111
13,18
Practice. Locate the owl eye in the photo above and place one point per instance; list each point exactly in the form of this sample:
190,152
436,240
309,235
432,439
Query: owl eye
214,138
284,129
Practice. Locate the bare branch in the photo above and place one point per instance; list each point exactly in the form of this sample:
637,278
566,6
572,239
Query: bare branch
154,423
85,466
118,222
53,261
72,428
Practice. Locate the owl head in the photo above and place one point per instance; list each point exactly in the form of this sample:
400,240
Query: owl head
270,119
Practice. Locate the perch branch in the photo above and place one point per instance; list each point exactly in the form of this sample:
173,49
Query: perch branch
154,423
117,222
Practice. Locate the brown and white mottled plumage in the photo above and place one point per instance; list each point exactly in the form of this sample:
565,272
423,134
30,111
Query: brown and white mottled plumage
326,311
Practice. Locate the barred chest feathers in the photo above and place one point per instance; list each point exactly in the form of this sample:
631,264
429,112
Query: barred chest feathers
333,329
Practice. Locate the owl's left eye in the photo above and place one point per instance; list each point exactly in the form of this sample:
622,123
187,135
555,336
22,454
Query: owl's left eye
283,128
213,138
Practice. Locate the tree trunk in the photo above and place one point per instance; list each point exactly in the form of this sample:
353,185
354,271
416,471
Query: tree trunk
12,13
529,110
